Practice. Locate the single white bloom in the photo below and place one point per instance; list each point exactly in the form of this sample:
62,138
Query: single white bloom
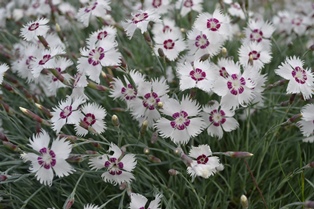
236,10
216,26
119,166
166,24
31,30
103,36
93,116
197,74
204,164
66,113
138,201
161,6
3,68
300,79
170,42
218,119
140,20
183,123
48,161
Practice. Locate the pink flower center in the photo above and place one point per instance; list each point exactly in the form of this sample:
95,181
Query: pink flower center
151,100
156,3
188,3
299,75
255,55
201,41
95,56
45,59
28,61
217,117
213,24
139,17
33,26
297,21
47,158
114,166
197,75
101,35
180,121
90,8
256,35
202,159
166,28
235,85
128,92
66,112
89,119
169,44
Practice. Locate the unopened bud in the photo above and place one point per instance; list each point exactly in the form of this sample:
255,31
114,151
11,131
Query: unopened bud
123,186
204,57
154,159
224,52
160,105
173,172
43,109
11,146
3,177
75,158
115,121
312,47
3,137
154,137
143,127
91,152
147,37
70,201
161,52
238,154
309,204
146,150
244,202
183,30
32,115
58,29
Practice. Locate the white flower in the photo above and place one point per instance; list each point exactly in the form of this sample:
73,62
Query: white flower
140,20
197,74
125,90
166,24
259,31
161,6
96,57
306,124
184,121
309,139
103,36
170,42
149,94
203,165
254,55
93,116
118,165
186,6
31,30
200,44
300,79
216,26
48,161
236,10
218,119
299,23
234,87
3,69
66,113
138,201
97,8
91,206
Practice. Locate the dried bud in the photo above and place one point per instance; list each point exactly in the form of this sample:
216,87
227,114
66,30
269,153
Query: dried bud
3,177
115,121
173,172
154,137
11,146
244,202
238,154
154,159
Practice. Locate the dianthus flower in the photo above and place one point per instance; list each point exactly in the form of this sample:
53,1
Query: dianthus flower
138,201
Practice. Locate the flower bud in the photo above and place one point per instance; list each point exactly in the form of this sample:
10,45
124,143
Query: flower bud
160,105
43,109
75,158
224,52
154,159
115,121
244,202
173,172
32,115
3,177
143,127
154,137
309,204
204,57
11,146
238,154
146,150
